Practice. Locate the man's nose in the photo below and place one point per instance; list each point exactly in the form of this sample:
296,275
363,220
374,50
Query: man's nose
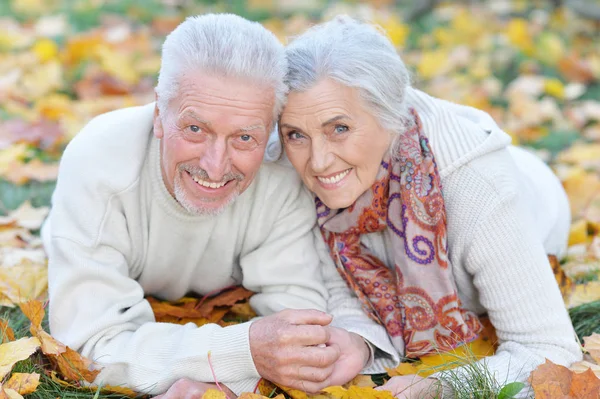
216,161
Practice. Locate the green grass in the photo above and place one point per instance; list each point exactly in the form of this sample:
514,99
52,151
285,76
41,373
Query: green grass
48,389
586,319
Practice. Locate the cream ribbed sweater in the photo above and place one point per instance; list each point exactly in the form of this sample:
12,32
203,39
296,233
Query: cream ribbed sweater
115,234
506,211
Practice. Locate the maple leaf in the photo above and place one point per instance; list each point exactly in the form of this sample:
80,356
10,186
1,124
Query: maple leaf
71,364
23,383
14,351
550,381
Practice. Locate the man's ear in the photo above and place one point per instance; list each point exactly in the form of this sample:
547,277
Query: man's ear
158,127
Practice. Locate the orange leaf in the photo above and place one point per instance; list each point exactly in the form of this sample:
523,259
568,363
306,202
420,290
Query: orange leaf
71,364
551,381
227,298
585,385
23,383
6,333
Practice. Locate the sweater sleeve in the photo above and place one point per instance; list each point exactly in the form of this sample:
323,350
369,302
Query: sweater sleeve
283,268
348,314
509,268
98,308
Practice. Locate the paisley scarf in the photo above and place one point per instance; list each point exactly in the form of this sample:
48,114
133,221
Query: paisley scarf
416,299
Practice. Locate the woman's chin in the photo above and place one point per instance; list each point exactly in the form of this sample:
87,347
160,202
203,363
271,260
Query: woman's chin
339,201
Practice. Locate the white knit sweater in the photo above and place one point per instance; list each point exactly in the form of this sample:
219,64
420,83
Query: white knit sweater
115,234
506,211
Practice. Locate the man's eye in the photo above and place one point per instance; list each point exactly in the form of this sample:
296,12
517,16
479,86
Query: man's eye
341,128
195,128
245,137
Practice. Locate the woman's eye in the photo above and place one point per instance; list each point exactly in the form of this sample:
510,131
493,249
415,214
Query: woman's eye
195,128
341,128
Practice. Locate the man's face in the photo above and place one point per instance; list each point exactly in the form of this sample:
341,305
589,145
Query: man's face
214,134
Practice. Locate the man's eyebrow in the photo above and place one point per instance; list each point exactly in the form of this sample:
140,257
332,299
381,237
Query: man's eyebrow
193,115
334,119
253,127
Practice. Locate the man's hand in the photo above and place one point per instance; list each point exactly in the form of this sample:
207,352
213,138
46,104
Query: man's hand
412,387
188,389
354,354
289,348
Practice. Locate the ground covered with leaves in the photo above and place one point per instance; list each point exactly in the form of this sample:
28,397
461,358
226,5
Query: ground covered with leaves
533,67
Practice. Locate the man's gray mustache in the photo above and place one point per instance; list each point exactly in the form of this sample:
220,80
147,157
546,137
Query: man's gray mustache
202,174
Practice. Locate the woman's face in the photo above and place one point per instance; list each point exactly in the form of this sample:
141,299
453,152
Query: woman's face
333,141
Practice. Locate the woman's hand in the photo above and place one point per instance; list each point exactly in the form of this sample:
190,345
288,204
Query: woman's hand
412,387
354,355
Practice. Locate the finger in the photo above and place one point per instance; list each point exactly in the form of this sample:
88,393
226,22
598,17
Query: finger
306,316
316,357
309,386
315,374
305,335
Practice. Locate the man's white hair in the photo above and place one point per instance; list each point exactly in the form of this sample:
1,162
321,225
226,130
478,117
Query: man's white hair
226,45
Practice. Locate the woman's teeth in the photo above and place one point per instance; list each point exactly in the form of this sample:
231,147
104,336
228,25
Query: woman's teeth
334,179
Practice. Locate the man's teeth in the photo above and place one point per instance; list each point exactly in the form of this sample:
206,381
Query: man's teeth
208,184
334,179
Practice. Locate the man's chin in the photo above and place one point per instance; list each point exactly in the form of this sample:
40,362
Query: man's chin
211,207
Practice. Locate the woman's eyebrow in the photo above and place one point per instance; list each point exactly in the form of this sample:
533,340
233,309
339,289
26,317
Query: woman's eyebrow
334,119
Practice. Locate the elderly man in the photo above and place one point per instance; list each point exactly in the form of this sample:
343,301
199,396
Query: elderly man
173,198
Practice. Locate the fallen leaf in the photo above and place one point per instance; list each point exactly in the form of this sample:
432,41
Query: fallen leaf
6,333
214,394
583,293
29,217
582,366
226,298
33,170
592,346
355,392
23,383
105,389
565,284
550,381
71,364
9,393
14,351
361,380
22,283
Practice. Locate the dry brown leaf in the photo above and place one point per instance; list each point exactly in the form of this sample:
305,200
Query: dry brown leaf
550,381
15,351
242,310
6,333
226,298
23,383
105,389
592,346
565,284
71,364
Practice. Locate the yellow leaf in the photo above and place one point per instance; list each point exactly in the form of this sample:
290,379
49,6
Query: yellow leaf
518,34
15,351
396,30
549,48
214,394
6,333
336,391
581,186
45,49
361,380
22,282
583,293
555,88
15,153
23,383
9,393
578,233
432,63
54,106
248,395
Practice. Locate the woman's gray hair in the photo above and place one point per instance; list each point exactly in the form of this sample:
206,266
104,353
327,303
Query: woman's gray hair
223,44
358,55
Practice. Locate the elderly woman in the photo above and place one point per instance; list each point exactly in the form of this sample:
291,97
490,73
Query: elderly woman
431,218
